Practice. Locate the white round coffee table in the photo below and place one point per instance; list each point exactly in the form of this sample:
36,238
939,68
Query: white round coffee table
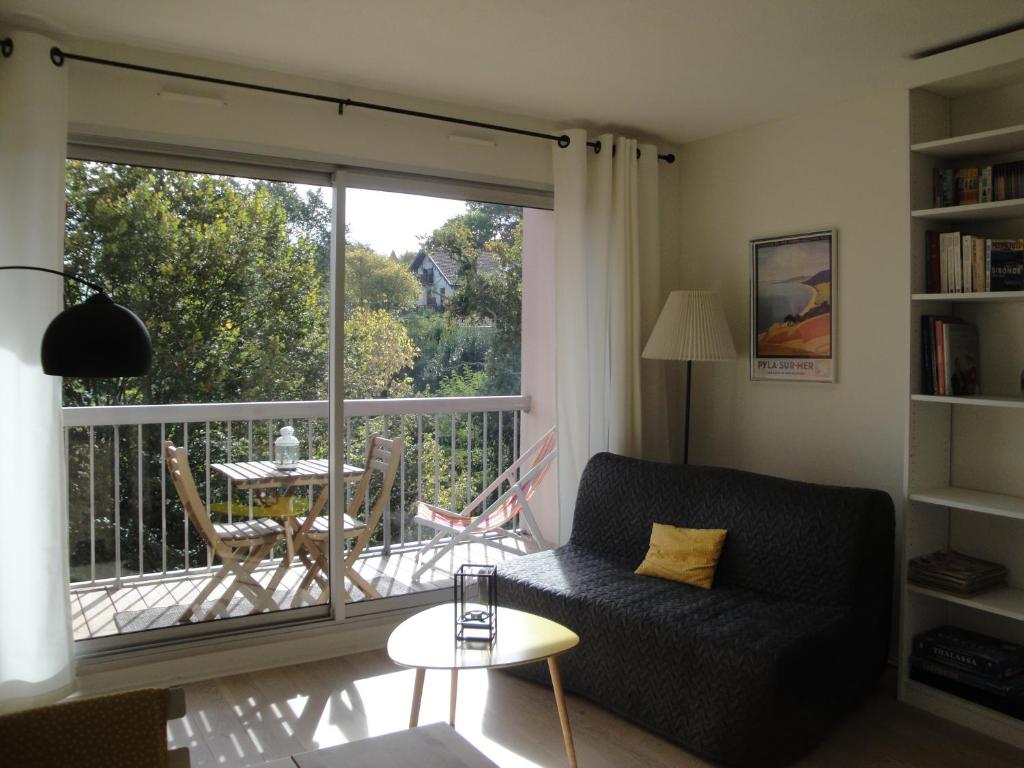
427,641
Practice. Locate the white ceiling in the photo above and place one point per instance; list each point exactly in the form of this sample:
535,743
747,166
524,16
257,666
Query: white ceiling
678,69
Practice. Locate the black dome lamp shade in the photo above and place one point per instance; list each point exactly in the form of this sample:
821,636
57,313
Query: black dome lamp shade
94,339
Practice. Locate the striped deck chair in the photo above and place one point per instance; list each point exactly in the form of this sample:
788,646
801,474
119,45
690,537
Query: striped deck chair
475,520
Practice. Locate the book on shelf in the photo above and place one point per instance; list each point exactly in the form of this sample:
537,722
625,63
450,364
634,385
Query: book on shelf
954,572
960,359
1008,705
949,255
1009,687
1007,181
968,185
943,187
932,270
965,263
949,357
1006,260
974,652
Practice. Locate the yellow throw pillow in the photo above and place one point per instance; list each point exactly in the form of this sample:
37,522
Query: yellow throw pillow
688,555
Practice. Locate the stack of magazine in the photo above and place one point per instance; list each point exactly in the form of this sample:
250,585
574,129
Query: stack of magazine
951,571
977,667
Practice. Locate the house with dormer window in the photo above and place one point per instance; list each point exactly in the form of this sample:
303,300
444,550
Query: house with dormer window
438,274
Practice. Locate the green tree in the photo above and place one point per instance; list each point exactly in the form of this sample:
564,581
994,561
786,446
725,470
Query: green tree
444,346
494,297
378,282
377,349
233,298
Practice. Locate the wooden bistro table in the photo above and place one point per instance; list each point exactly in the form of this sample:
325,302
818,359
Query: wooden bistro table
264,476
427,641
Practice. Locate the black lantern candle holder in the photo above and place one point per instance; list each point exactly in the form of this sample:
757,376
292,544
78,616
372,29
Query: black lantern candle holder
476,603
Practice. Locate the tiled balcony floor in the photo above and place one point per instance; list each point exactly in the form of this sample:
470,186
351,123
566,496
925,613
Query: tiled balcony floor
102,611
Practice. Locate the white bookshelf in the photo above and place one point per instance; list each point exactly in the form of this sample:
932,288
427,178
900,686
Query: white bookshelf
1002,209
965,455
986,503
1002,601
995,142
972,297
973,401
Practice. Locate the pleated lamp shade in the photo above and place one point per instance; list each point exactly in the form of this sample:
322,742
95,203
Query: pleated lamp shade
691,326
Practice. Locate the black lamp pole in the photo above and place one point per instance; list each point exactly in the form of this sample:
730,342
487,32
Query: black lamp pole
689,380
94,339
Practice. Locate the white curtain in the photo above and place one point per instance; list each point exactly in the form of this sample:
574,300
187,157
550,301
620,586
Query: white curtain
36,659
607,270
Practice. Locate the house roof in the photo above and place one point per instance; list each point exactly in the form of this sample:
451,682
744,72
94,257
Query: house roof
446,264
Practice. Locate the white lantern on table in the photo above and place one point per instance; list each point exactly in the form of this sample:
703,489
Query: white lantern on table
286,449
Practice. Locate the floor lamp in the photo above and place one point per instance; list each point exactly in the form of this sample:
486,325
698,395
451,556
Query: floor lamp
691,327
94,339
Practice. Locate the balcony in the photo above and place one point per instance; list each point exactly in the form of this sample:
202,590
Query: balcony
135,560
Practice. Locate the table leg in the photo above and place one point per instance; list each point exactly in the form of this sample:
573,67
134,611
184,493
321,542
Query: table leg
289,536
563,714
417,697
452,697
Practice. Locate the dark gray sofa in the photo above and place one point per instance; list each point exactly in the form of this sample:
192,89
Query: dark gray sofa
752,672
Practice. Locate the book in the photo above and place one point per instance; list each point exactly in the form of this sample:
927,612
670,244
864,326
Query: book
960,356
927,355
1007,180
950,360
966,185
936,322
939,375
971,651
988,265
978,281
1009,705
985,185
943,187
951,571
1009,687
932,276
949,248
966,262
1006,259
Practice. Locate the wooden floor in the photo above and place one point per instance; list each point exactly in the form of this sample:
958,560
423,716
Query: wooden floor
93,611
248,719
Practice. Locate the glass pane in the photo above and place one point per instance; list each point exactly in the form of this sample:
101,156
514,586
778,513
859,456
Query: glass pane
433,309
230,275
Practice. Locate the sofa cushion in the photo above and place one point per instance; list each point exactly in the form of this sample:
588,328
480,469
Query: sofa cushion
582,586
688,555
731,673
808,542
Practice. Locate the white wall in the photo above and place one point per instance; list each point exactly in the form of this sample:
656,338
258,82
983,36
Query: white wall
844,166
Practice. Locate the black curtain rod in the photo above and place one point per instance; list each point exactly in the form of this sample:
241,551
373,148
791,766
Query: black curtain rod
66,275
58,57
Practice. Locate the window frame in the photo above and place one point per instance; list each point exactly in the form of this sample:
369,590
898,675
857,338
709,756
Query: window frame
255,630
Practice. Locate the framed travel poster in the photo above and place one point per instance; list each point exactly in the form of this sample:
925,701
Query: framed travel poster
792,307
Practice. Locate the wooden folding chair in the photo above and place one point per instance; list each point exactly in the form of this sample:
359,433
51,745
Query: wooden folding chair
383,456
458,527
240,546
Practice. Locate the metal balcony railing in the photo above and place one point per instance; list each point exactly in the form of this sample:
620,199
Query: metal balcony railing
124,518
